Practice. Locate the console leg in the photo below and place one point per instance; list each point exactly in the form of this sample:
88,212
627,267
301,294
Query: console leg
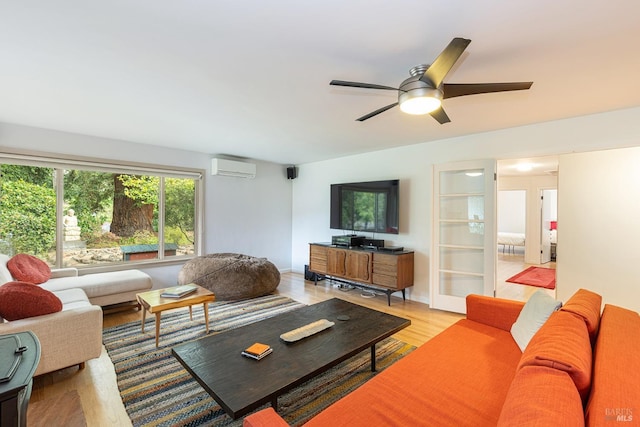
274,403
389,298
373,358
404,297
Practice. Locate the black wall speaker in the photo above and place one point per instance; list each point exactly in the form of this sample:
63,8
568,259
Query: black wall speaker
292,172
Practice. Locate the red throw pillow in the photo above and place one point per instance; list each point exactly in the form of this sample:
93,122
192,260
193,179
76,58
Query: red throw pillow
19,300
27,268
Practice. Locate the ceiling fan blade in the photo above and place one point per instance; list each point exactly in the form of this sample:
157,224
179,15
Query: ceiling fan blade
452,90
439,69
363,85
378,111
440,116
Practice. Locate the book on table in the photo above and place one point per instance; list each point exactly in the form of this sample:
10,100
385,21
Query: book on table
257,351
178,291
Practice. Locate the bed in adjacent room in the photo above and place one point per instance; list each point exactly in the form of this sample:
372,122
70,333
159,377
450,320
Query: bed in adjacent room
510,241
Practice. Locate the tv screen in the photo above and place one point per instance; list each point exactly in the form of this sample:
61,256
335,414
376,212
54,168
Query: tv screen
365,206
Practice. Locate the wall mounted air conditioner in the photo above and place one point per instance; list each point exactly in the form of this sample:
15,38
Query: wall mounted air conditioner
225,167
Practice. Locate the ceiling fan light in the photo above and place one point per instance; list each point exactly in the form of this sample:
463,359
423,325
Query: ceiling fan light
421,105
422,100
524,167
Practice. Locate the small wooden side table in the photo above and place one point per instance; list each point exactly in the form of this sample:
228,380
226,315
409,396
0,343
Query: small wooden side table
15,392
152,302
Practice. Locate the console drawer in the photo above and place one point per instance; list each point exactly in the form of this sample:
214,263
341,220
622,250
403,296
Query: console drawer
390,270
393,270
384,280
318,259
384,259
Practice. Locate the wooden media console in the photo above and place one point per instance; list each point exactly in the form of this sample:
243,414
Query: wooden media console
388,272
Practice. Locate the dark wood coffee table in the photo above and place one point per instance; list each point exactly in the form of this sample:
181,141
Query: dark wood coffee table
240,384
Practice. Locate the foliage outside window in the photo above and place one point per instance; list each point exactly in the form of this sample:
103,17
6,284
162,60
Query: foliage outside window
475,209
106,217
364,210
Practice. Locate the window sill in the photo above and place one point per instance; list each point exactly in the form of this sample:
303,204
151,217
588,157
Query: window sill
131,265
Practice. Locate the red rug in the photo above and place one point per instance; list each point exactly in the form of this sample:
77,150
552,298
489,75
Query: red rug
536,276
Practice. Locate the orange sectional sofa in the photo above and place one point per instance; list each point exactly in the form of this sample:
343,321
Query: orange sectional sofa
580,368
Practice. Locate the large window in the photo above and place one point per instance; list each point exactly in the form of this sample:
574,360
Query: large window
83,213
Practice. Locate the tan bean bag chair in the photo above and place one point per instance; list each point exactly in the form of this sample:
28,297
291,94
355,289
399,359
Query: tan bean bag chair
231,276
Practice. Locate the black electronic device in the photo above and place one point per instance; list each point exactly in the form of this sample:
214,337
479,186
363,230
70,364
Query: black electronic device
366,206
392,248
310,275
347,240
292,172
372,243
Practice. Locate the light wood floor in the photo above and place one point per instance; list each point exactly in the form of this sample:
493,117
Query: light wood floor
96,384
510,265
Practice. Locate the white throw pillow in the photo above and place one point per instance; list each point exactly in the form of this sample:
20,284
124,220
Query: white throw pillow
535,312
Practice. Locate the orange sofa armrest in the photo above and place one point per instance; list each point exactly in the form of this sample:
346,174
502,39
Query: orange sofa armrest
497,312
265,418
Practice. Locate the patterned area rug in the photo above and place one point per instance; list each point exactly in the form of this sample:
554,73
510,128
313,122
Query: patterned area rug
157,391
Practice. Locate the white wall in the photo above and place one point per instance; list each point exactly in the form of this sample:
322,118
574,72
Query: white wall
599,225
413,166
251,216
512,211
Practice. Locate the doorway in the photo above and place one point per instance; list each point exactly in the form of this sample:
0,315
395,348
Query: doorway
522,185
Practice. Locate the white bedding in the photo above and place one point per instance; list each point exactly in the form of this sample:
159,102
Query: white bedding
511,239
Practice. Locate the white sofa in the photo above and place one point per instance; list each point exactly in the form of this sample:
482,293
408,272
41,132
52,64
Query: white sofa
102,289
74,335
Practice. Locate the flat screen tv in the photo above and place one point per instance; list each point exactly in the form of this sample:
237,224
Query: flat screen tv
365,206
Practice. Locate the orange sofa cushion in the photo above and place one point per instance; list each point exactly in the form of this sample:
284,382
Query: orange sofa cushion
496,312
587,305
562,343
615,394
265,418
460,377
542,396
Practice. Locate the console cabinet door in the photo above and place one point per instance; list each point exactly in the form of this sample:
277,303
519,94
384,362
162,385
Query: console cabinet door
358,266
336,262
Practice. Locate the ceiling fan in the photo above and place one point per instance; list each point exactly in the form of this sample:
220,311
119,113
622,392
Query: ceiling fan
423,92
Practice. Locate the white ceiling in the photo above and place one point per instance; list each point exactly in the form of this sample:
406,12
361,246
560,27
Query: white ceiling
533,166
251,78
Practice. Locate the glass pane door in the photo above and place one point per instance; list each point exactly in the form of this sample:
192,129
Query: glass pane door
463,253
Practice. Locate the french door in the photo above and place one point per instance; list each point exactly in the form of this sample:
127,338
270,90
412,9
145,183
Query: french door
463,255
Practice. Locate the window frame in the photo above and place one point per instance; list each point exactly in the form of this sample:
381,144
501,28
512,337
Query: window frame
59,163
